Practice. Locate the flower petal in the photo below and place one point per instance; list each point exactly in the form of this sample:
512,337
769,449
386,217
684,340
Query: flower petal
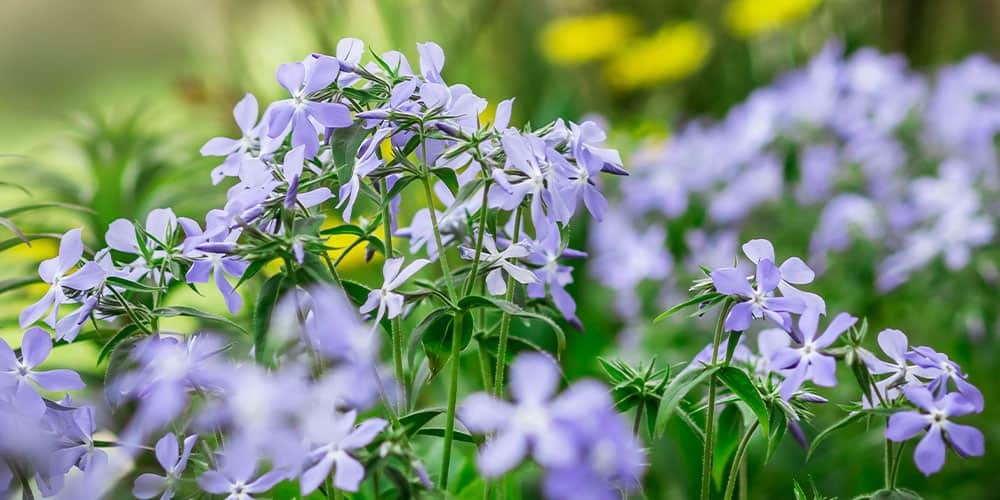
967,441
482,413
166,451
501,454
349,473
148,485
904,425
58,380
758,249
35,346
794,270
730,281
534,378
929,454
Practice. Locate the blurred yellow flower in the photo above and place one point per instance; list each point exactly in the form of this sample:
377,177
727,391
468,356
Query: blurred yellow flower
750,17
676,51
581,39
354,259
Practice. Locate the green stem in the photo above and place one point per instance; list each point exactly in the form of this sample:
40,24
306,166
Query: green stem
449,426
442,258
741,450
744,478
638,418
706,463
887,470
484,366
397,337
895,464
505,317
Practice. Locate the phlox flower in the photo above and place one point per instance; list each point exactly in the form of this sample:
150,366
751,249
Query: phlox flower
930,451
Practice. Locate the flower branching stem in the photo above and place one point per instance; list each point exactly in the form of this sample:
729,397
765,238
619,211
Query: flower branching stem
505,318
706,464
738,460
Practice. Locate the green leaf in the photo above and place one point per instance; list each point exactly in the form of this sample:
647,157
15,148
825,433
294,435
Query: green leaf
727,438
344,144
38,206
414,421
893,494
437,340
7,223
126,332
13,242
436,319
616,374
851,417
476,301
15,283
269,294
439,432
252,270
169,312
344,229
684,305
315,269
778,424
739,384
130,285
448,177
675,392
684,414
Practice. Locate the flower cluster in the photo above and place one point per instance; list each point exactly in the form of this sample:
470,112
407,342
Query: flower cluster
583,444
920,388
869,150
349,140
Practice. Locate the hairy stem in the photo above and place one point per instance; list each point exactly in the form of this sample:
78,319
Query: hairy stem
449,426
505,317
397,336
706,463
741,451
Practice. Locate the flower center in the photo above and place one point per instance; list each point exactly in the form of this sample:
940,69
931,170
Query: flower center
531,419
938,418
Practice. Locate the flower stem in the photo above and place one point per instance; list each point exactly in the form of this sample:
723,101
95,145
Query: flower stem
397,337
741,450
505,317
638,418
888,464
706,463
449,425
442,258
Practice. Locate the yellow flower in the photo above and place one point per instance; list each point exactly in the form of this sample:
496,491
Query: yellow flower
750,17
577,40
672,53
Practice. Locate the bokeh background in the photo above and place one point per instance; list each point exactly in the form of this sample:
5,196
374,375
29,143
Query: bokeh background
105,104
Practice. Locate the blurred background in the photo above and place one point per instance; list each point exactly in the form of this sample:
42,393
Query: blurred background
105,104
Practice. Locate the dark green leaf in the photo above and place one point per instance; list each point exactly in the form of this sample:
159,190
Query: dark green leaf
679,387
739,383
778,424
126,332
448,177
269,294
476,301
412,422
38,206
344,144
344,229
726,440
439,432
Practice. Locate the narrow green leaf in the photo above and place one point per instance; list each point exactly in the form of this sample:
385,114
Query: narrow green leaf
168,312
778,424
851,417
13,242
15,283
39,206
675,392
344,229
476,301
739,384
269,294
684,305
130,285
126,332
344,144
412,422
727,438
439,432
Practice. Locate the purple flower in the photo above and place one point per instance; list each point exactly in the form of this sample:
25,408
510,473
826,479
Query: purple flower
901,372
531,174
76,427
150,485
366,162
930,451
16,375
793,271
337,440
235,475
301,79
760,301
207,264
499,263
292,170
385,298
528,426
611,458
553,276
54,272
807,359
245,114
928,358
